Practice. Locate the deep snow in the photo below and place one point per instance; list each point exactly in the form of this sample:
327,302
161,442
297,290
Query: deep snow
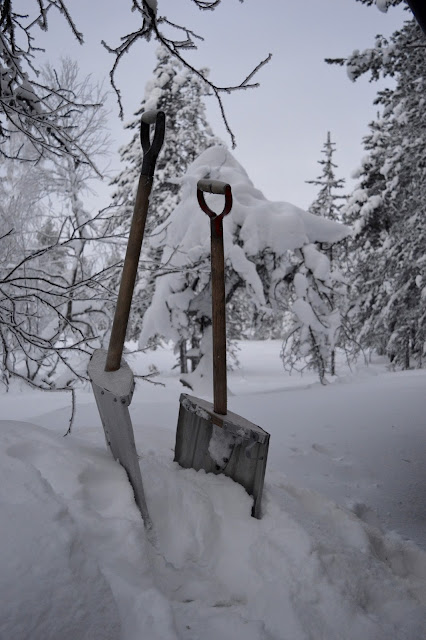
330,559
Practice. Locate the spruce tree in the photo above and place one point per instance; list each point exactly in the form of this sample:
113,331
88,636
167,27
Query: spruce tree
320,301
327,201
180,94
263,244
387,208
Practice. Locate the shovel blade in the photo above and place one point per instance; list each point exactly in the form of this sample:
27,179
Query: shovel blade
113,393
227,444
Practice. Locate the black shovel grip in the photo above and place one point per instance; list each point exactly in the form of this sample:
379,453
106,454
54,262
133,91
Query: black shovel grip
149,117
151,149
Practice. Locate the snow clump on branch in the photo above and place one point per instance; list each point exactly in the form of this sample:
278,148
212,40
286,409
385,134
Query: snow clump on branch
259,236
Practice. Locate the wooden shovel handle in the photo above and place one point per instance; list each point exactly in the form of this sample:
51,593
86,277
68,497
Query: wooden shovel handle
137,228
218,289
419,10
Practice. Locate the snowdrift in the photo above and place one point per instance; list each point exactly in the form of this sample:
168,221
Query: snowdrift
76,563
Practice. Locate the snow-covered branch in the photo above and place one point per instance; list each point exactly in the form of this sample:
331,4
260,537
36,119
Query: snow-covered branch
43,112
260,238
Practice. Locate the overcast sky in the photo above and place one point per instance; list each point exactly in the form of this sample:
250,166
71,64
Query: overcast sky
281,126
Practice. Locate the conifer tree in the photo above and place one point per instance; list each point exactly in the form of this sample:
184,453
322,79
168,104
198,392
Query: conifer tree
319,290
387,207
180,94
327,201
263,241
318,326
328,204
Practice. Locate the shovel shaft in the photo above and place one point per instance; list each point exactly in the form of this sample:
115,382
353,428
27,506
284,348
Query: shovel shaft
218,287
128,278
151,149
218,318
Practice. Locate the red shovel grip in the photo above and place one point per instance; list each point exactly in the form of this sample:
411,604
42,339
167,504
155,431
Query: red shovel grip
215,186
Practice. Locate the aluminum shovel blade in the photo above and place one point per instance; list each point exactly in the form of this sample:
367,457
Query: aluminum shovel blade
113,393
227,444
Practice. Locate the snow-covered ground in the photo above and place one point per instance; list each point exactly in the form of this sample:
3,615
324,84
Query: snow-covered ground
337,555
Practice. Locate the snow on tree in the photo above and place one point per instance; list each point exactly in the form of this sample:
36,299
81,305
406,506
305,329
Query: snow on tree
70,181
314,335
171,39
313,345
26,105
42,111
327,203
259,235
52,288
387,207
180,94
24,98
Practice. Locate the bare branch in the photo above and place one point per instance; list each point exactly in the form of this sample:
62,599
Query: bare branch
150,27
42,112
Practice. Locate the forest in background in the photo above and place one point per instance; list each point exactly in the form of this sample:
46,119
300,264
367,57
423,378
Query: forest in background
60,264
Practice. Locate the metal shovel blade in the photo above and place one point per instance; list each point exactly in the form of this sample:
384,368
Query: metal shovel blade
113,392
227,444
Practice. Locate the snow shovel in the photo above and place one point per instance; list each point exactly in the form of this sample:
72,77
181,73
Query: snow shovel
209,436
419,10
111,377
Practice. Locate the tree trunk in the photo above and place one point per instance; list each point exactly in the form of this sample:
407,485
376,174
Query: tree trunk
182,357
407,351
318,359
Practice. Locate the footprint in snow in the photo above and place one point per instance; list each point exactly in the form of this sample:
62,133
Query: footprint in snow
327,452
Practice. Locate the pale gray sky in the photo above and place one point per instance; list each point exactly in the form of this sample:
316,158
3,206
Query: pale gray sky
281,126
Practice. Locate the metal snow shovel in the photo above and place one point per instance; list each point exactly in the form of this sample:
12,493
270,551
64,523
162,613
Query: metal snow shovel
209,436
111,377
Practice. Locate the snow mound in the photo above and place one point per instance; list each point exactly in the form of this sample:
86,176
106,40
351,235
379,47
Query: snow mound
50,586
73,548
76,562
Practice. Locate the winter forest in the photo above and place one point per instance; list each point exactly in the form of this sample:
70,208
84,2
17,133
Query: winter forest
329,291
355,288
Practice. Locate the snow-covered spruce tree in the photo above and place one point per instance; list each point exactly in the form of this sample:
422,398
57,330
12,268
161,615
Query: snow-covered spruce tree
388,205
319,295
369,217
180,94
260,238
316,348
328,202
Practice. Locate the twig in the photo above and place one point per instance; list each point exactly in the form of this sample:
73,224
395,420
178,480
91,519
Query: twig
150,27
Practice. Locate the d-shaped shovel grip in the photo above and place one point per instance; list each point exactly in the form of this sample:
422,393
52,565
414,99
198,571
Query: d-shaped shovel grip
137,228
218,288
151,149
215,186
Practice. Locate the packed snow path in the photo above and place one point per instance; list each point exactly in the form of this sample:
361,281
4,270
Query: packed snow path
76,562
